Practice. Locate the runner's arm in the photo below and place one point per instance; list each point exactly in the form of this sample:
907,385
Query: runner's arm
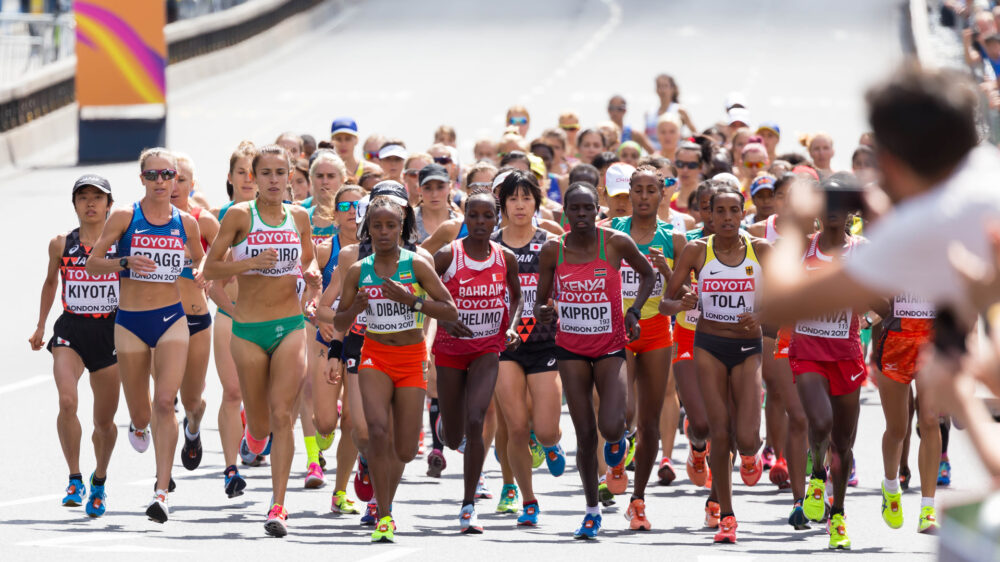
544,312
49,289
98,264
440,305
677,296
216,265
352,302
629,252
444,234
514,289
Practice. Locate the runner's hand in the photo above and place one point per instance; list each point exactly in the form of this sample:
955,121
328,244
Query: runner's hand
546,313
199,280
360,304
141,264
659,262
313,279
631,327
264,260
689,301
326,331
395,291
513,339
37,339
332,371
457,329
749,321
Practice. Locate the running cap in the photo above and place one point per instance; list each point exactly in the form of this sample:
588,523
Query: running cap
499,179
344,125
618,179
728,178
739,115
807,170
432,172
537,166
630,144
393,190
392,151
763,182
92,180
994,37
769,126
735,99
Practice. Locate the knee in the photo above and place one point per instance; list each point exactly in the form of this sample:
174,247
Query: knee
377,432
612,430
406,452
820,426
518,434
163,405
929,425
797,421
586,440
698,429
281,419
68,404
231,394
747,440
547,437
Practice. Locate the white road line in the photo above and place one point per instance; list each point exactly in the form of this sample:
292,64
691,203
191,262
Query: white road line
390,555
35,499
28,382
74,541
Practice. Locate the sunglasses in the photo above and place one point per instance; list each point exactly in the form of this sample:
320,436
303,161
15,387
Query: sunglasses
753,165
616,108
689,165
443,160
669,182
574,127
345,206
371,155
480,184
411,172
150,175
515,121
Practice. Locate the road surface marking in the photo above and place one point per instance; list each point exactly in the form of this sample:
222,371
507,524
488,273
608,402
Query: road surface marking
391,555
31,381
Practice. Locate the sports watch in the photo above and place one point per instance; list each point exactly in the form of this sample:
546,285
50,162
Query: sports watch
123,262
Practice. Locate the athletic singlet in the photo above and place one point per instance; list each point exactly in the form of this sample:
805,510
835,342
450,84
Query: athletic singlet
422,233
187,272
674,205
224,208
771,229
626,133
84,294
164,244
554,193
527,272
320,234
589,301
331,263
284,238
833,336
662,241
728,291
689,318
651,120
385,316
479,289
680,227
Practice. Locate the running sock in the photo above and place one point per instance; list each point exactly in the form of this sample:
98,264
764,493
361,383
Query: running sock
100,482
76,476
891,486
819,471
467,503
433,412
637,497
532,502
926,502
945,431
191,436
834,510
699,449
593,510
726,514
230,470
312,450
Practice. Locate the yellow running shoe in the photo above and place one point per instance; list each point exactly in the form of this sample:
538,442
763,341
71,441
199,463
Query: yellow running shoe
838,533
813,504
325,441
384,531
892,508
928,521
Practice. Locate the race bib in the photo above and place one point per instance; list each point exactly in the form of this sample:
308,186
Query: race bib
89,294
724,300
909,306
166,251
835,325
286,243
631,281
585,319
387,316
529,290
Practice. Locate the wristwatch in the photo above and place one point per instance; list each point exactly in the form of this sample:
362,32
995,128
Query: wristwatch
123,262
418,305
634,310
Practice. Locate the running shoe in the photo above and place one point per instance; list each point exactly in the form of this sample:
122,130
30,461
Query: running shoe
435,463
482,492
340,503
892,508
461,447
170,487
247,457
234,482
713,511
604,495
75,493
314,479
508,499
928,521
529,516
322,460
837,528
630,455
158,510
191,451
852,480
468,522
324,442
666,473
767,455
614,453
904,478
636,515
697,466
727,530
555,459
589,528
617,478
276,526
751,469
370,515
139,438
779,473
363,481
385,530
944,473
814,504
797,518
537,453
267,448
96,504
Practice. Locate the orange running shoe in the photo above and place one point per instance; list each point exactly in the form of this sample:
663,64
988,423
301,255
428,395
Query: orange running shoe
751,469
666,472
727,530
779,473
712,513
636,515
697,466
617,478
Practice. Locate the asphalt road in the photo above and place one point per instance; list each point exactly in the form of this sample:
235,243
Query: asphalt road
402,68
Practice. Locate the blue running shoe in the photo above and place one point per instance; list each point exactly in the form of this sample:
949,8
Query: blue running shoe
529,518
235,483
944,473
246,455
370,516
96,503
267,448
75,493
591,525
555,458
615,452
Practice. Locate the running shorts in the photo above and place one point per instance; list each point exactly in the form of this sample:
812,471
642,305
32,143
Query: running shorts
845,376
563,354
685,344
460,362
351,355
731,352
150,325
93,339
404,364
782,343
533,357
198,322
654,333
268,335
898,354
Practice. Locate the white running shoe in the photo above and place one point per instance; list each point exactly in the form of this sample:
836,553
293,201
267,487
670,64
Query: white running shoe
158,509
138,438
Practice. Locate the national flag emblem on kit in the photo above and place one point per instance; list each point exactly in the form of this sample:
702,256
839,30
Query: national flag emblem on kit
406,276
497,277
536,247
657,248
600,272
60,341
175,232
749,270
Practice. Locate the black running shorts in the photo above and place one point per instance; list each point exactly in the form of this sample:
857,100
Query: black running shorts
93,339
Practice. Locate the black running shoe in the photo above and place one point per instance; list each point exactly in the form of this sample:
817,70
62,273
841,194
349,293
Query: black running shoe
191,451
